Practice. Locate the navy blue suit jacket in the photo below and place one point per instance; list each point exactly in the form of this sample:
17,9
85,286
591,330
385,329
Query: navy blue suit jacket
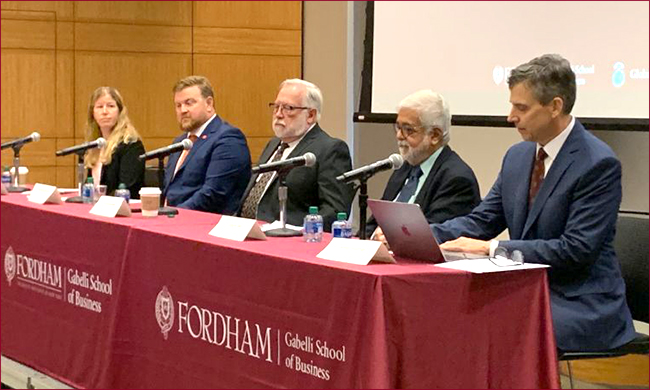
570,226
214,175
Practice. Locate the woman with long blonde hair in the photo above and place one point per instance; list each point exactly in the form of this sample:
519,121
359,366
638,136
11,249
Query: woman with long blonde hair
118,162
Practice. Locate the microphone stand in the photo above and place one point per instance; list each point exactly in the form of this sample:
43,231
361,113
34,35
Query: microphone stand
163,210
282,197
363,205
80,178
14,180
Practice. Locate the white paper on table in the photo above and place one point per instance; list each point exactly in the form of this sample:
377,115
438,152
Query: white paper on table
111,206
43,193
360,252
238,229
482,266
277,225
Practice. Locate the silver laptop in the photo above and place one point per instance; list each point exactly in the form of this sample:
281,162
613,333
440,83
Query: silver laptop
408,233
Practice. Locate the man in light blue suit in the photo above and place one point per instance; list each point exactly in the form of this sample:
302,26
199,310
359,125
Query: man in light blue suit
213,174
558,194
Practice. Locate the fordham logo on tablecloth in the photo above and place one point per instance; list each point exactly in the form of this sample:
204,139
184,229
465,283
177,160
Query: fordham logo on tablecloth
165,311
10,264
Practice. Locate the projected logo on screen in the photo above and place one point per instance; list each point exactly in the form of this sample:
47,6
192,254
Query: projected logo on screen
618,77
10,265
165,311
497,74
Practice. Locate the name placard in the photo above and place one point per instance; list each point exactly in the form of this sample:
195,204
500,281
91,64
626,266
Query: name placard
111,206
4,190
238,229
360,252
43,193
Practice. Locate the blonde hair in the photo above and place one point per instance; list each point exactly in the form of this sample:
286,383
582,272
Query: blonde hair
122,132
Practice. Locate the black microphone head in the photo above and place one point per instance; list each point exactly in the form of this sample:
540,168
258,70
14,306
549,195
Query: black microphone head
310,159
396,160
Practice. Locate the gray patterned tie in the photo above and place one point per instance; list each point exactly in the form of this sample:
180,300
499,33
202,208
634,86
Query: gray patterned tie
249,208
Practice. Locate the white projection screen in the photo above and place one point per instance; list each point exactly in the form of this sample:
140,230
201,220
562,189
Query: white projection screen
465,51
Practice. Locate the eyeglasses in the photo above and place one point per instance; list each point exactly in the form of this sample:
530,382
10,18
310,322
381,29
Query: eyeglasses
406,129
503,258
286,108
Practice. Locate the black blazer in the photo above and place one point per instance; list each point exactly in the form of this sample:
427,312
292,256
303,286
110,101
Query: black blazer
309,186
125,167
449,191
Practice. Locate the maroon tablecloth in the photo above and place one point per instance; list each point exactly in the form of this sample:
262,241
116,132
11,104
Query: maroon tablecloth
190,310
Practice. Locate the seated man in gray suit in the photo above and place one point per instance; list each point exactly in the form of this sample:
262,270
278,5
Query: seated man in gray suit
433,175
296,112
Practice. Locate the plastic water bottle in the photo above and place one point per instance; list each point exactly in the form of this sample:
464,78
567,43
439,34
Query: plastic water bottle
342,227
123,192
313,227
88,191
6,176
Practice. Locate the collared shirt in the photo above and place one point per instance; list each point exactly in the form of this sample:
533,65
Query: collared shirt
552,149
425,166
199,131
285,154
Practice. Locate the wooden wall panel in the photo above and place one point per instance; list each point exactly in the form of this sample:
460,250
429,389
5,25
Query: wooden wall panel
55,53
145,82
246,41
28,34
174,13
249,14
28,99
62,10
124,38
244,85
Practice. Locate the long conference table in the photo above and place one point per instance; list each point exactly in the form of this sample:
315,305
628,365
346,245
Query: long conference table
140,302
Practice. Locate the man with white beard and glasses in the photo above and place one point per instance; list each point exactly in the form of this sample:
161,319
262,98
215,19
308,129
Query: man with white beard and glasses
432,175
295,115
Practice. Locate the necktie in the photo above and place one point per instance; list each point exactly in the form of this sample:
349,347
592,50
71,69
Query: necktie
183,156
537,176
249,207
411,185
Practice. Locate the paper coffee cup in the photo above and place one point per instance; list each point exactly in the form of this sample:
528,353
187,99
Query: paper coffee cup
150,201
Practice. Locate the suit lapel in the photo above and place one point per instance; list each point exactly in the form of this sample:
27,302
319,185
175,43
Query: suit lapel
562,162
208,132
302,146
520,211
444,155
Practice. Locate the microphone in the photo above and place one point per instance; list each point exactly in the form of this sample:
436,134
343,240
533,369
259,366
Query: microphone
185,144
307,159
394,161
98,143
17,143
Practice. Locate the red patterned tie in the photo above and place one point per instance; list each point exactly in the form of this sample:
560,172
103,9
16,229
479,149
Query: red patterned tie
537,176
249,207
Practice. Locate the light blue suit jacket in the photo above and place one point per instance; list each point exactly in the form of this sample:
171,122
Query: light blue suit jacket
215,172
570,226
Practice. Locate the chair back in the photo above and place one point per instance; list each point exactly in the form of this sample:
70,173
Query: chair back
631,244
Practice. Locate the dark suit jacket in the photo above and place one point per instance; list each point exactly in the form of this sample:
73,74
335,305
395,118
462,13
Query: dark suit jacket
309,186
450,189
214,174
125,167
570,227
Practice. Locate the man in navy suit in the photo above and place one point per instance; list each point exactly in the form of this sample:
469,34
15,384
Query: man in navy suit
433,175
213,174
558,194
